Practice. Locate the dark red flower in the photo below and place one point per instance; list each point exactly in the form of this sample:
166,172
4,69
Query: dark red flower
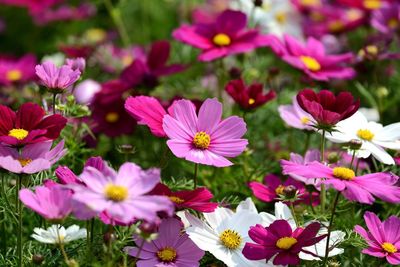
108,112
198,199
326,108
29,125
147,72
248,97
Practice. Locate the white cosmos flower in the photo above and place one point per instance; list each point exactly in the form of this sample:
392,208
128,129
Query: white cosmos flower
282,212
62,235
277,17
224,233
374,136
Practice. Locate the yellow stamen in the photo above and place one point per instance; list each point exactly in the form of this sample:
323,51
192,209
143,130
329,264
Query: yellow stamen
310,2
343,173
230,239
251,101
222,39
393,23
166,254
310,63
280,17
201,140
18,133
279,189
389,247
286,242
95,35
305,120
336,26
24,162
116,193
112,117
14,75
176,200
372,4
365,134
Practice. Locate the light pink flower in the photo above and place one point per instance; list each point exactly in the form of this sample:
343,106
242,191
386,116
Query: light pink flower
295,116
32,158
56,79
204,138
122,195
362,189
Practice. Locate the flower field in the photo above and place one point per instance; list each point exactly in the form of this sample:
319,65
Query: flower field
171,133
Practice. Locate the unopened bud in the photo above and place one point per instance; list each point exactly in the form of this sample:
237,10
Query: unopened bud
109,237
37,259
355,144
290,191
333,157
258,3
382,92
235,73
126,149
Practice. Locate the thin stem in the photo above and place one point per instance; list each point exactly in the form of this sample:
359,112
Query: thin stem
221,79
323,189
54,103
116,17
196,167
357,165
138,252
3,224
61,244
352,159
294,214
89,238
330,225
19,212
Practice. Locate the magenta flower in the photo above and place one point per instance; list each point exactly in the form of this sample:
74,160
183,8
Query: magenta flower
56,79
386,19
20,71
52,202
312,59
204,138
294,116
279,239
326,108
85,91
382,238
32,158
355,188
227,35
122,194
78,63
273,187
170,249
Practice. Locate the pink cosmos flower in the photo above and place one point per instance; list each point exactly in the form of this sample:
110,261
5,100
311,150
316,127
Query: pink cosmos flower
295,116
273,187
65,13
204,138
355,188
198,199
170,249
56,79
84,92
19,70
78,63
227,35
32,158
52,202
382,238
386,19
366,4
279,239
312,59
122,194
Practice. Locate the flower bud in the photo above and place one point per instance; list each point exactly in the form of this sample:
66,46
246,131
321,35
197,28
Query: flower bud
37,259
382,92
235,73
126,149
258,3
109,237
355,144
333,157
290,191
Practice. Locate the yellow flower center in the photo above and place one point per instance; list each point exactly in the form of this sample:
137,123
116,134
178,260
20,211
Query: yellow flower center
354,14
389,247
336,26
393,23
127,60
310,63
20,134
201,140
316,16
230,239
280,17
343,173
305,120
116,193
372,4
286,242
176,200
95,35
365,134
112,117
14,75
222,39
279,189
251,101
310,2
24,162
167,254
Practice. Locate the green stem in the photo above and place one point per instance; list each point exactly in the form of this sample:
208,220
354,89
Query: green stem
116,17
221,80
330,226
54,103
3,225
352,159
323,189
61,245
19,212
196,167
294,214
